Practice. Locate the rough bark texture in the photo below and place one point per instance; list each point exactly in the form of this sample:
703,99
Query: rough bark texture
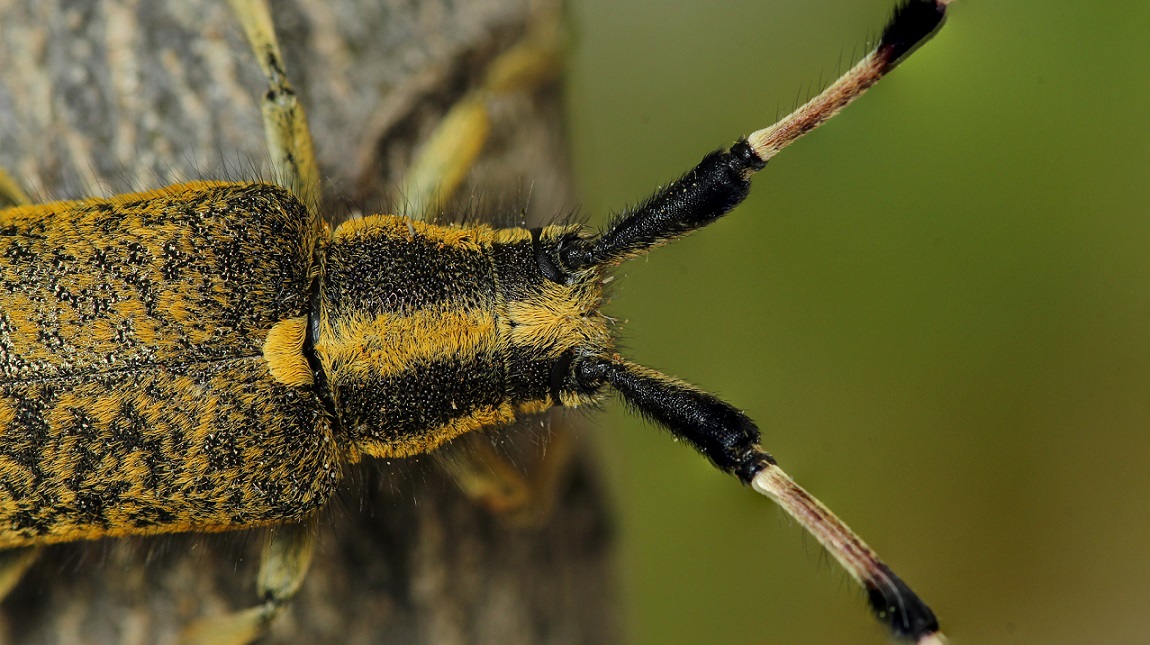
119,95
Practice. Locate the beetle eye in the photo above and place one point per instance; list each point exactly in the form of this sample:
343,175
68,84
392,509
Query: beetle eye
547,257
573,252
560,372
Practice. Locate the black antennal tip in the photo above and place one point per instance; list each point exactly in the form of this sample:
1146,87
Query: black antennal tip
899,607
911,25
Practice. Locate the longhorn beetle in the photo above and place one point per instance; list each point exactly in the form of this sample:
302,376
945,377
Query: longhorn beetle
211,356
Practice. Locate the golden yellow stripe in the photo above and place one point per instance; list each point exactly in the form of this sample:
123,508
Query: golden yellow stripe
387,344
486,417
471,237
556,319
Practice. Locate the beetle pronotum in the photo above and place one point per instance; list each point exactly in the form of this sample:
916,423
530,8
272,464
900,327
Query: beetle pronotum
210,356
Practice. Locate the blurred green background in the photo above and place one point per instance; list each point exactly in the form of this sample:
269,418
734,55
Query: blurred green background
937,307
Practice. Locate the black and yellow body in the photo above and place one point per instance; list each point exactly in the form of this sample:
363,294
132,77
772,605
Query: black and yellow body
207,357
211,356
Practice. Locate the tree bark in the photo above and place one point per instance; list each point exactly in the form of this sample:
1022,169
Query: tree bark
125,95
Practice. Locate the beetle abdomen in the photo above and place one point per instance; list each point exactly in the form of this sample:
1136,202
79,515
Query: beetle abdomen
134,395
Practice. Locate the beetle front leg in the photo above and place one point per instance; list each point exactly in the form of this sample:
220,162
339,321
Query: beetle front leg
445,159
523,494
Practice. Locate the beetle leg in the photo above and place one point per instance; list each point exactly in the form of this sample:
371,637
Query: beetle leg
287,554
285,123
13,563
444,160
11,194
523,494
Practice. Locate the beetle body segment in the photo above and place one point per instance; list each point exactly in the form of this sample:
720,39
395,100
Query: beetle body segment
134,396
